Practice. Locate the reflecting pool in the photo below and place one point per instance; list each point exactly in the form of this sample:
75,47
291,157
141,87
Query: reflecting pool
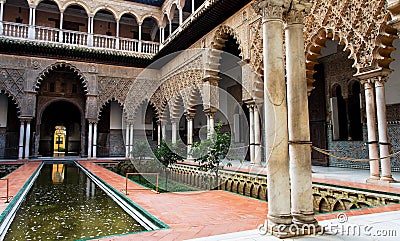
64,204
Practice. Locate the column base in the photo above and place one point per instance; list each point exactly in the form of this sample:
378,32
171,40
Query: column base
279,226
388,179
373,178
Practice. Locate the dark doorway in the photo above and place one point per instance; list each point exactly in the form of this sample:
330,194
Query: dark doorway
60,113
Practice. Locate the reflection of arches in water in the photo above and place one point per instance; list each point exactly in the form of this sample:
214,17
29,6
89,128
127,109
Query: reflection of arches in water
61,113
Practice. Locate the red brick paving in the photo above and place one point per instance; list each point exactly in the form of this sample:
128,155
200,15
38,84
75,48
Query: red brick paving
17,180
189,215
193,214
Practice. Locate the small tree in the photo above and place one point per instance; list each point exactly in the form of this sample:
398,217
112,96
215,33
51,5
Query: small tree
210,152
166,153
140,150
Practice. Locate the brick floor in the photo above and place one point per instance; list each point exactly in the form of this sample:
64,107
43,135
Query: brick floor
189,215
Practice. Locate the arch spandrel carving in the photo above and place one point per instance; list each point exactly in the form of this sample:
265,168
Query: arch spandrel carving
12,84
361,26
53,67
110,88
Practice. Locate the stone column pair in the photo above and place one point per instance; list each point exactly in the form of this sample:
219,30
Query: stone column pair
92,139
24,138
374,84
189,141
255,135
290,199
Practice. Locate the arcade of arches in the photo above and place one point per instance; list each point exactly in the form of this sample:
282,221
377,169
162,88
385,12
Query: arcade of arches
76,85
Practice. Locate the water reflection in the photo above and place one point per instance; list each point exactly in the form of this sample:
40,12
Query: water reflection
57,174
74,208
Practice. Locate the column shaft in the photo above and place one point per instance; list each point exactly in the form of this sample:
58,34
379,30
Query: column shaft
127,135
163,131
21,140
90,140
27,139
193,9
251,117
174,132
180,16
131,140
189,120
94,140
158,133
257,137
383,130
140,38
1,17
371,128
276,144
298,124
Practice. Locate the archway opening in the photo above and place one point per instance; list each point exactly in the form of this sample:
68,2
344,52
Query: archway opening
60,130
9,127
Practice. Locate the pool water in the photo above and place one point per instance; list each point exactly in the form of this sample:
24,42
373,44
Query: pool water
64,204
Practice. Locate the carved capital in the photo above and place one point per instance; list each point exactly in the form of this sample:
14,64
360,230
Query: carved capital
298,10
271,9
380,81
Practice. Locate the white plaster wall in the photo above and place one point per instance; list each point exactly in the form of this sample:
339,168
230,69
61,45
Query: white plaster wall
392,86
115,116
3,110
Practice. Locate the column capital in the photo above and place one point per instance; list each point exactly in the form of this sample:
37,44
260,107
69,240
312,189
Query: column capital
189,115
92,121
298,11
271,9
381,80
26,118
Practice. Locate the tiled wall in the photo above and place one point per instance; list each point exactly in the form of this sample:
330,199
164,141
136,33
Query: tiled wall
357,149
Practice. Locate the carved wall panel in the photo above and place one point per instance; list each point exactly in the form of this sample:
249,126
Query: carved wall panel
12,83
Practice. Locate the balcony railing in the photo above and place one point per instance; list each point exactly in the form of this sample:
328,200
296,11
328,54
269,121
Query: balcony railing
68,37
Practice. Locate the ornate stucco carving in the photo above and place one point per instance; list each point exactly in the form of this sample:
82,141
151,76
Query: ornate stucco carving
361,26
53,67
12,84
110,88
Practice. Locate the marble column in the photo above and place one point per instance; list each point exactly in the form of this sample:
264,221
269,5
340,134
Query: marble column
127,135
27,139
210,124
302,201
90,140
117,35
275,109
371,128
251,117
189,119
180,15
193,9
257,137
164,131
21,139
94,140
90,31
32,22
130,140
159,133
174,132
1,16
61,35
383,129
140,38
